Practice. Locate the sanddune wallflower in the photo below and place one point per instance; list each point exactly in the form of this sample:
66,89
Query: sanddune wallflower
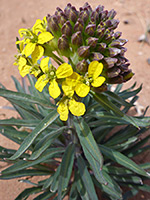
50,75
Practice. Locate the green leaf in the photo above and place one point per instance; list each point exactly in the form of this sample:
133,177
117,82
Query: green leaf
86,178
54,185
23,173
17,84
44,143
27,192
112,188
66,169
128,179
48,120
44,196
122,160
48,182
90,148
23,164
25,98
80,187
19,122
73,195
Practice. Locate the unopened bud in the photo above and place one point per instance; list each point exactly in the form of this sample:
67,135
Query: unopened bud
71,13
86,6
76,39
123,50
84,15
127,75
110,62
103,15
63,43
113,72
53,24
111,14
116,80
115,23
97,56
99,9
90,29
117,34
101,47
82,66
118,42
61,17
95,16
113,51
100,32
92,41
67,29
84,51
79,25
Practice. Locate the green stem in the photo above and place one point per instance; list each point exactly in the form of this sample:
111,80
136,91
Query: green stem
56,58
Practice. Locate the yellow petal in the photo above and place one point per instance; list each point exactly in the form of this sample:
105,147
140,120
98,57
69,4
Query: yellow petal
22,32
76,108
68,90
24,70
29,48
63,111
64,70
98,81
37,26
22,62
41,82
82,89
44,37
44,64
54,89
95,69
73,79
37,53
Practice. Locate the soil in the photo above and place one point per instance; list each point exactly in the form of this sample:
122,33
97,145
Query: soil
134,19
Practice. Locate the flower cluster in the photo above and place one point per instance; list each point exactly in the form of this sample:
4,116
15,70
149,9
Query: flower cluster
94,52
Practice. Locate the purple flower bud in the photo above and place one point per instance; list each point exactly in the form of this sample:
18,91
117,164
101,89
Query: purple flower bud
127,75
115,80
97,56
95,16
67,29
62,18
82,66
114,51
101,47
103,15
99,9
115,23
113,72
71,13
90,29
87,7
121,60
79,25
63,43
117,35
84,15
111,14
84,51
100,32
52,24
76,39
118,42
123,50
92,42
110,62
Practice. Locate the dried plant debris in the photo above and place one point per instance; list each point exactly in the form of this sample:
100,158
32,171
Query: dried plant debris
145,37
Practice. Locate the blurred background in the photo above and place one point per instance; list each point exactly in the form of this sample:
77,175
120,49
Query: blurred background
134,24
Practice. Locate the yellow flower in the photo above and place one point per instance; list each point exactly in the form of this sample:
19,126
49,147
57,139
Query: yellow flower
81,84
25,68
51,75
34,38
69,104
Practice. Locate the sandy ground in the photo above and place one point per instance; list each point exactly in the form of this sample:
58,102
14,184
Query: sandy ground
16,14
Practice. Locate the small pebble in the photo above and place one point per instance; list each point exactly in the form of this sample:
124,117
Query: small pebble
126,21
148,61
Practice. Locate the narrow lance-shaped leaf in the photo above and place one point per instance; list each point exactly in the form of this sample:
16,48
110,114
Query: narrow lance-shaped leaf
25,98
86,178
90,148
122,160
66,169
31,137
